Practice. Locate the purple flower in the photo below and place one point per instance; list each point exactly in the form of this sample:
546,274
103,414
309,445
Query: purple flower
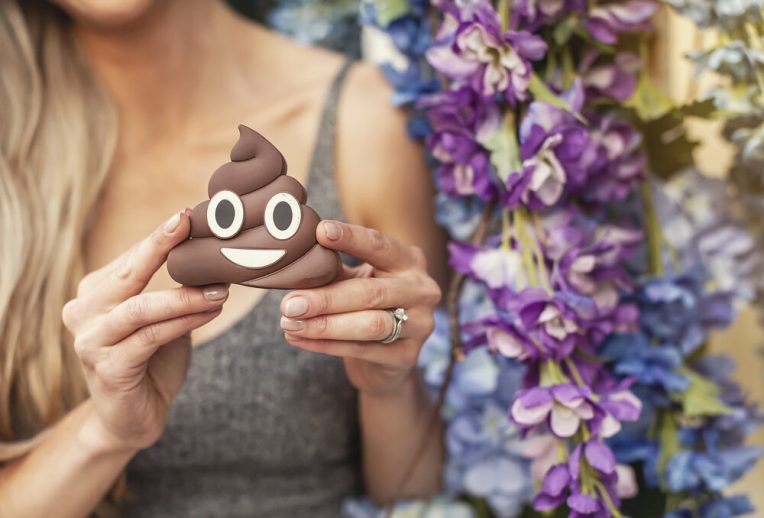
612,78
619,405
562,406
593,266
620,163
597,454
605,22
506,344
555,150
532,14
457,117
553,489
550,326
583,505
564,482
476,51
496,267
588,257
542,450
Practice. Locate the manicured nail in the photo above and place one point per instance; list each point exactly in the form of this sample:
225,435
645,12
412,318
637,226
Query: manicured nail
288,324
215,292
333,231
295,307
171,224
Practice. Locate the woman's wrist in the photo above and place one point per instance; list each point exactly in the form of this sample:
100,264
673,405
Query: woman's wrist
97,440
409,385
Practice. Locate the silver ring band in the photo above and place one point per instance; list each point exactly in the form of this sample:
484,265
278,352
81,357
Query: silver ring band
399,317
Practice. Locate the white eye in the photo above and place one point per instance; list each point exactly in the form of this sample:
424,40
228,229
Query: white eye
282,215
225,214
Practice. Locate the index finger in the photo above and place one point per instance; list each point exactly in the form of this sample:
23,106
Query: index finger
371,245
129,273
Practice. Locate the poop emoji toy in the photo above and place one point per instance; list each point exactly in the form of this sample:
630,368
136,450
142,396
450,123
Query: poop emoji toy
255,229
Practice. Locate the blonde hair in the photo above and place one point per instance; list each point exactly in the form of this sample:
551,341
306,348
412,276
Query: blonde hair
57,139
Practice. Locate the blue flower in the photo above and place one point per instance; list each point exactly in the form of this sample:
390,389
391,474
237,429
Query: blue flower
717,508
439,507
458,215
727,507
410,83
410,35
677,311
709,472
654,367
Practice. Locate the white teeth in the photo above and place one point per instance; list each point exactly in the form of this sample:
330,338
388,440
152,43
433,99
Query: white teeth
253,258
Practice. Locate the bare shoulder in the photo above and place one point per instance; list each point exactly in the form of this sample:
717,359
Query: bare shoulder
371,120
378,162
383,178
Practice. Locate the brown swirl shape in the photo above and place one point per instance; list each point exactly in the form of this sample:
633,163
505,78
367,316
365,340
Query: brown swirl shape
253,255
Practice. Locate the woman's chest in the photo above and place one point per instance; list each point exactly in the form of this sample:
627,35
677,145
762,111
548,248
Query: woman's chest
252,399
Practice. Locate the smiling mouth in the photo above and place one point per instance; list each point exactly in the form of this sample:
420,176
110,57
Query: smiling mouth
253,257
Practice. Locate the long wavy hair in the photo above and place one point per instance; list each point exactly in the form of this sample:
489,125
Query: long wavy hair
57,138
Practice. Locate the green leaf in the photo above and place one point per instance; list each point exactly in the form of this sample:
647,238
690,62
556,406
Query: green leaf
648,100
504,148
702,396
390,10
669,147
564,31
668,438
604,48
542,93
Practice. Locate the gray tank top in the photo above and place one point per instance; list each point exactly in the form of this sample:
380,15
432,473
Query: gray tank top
260,428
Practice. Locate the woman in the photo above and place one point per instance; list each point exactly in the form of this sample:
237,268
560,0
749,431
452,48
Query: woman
114,115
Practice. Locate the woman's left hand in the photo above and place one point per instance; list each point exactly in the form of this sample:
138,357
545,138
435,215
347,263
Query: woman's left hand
348,318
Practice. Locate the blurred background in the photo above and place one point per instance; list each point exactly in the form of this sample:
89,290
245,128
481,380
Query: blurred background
335,24
330,23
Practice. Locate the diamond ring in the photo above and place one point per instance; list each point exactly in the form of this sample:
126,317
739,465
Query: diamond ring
399,317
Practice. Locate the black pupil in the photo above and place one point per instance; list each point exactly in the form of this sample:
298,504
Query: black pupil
282,215
224,213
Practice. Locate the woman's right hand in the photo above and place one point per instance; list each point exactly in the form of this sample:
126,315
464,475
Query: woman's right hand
135,347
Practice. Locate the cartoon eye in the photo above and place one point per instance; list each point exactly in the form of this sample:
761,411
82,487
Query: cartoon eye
225,214
282,215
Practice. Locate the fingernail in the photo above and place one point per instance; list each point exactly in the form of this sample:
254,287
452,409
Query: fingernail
295,307
187,212
288,324
171,224
333,231
216,292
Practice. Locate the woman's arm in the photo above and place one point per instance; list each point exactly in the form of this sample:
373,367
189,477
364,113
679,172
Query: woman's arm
387,186
134,348
67,473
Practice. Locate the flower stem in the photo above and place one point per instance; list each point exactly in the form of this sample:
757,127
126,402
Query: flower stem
506,228
562,451
608,501
654,232
504,14
539,255
574,372
552,374
525,246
